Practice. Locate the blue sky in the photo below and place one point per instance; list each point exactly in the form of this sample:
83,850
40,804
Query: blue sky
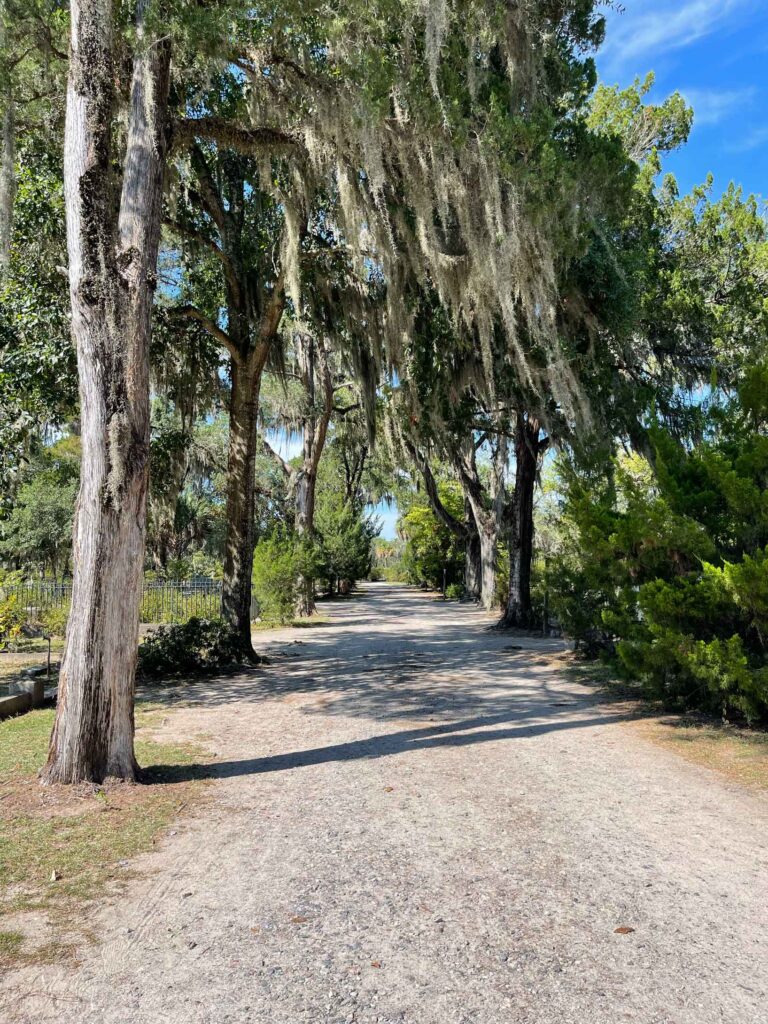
715,52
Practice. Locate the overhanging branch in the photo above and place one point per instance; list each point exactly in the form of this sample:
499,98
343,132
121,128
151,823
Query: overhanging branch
193,313
248,141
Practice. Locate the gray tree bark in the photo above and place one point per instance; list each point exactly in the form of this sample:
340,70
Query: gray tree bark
486,524
112,264
249,357
472,558
241,463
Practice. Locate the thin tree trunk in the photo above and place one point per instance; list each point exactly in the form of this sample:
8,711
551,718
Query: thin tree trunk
241,485
486,525
7,176
315,433
472,559
488,552
112,261
518,611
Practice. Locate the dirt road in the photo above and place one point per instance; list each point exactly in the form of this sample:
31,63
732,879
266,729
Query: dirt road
416,822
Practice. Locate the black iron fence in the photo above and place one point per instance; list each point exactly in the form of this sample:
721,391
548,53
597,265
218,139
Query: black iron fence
160,602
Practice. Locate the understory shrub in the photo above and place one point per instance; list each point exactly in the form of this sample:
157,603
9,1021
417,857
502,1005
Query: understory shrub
11,621
54,620
392,573
196,646
667,572
431,549
280,563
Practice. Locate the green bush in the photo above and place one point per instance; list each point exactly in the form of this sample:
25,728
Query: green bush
668,572
344,541
279,563
193,647
454,591
430,547
54,620
392,573
12,619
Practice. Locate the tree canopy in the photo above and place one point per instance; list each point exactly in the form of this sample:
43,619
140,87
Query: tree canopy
315,258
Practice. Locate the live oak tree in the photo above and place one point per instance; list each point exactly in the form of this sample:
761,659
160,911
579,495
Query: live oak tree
223,210
440,153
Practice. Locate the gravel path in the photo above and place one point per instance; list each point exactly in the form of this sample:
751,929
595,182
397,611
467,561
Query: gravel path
418,823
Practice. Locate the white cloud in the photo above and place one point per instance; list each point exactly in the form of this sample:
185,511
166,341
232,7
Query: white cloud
711,106
755,139
648,28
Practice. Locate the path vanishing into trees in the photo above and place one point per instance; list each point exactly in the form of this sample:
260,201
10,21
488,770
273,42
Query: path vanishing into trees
415,821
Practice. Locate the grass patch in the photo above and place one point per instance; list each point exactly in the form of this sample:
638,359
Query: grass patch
741,754
10,945
61,847
23,743
301,623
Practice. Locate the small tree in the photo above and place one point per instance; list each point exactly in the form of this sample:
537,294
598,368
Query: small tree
345,540
431,549
38,531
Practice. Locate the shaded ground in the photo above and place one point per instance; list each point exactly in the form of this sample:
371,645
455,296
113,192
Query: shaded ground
417,822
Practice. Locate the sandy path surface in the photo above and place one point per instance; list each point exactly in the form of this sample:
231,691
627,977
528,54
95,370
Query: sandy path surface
416,823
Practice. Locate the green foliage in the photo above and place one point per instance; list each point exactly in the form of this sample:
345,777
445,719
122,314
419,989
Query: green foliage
345,539
38,530
644,129
38,378
280,562
430,547
54,620
193,647
12,618
670,573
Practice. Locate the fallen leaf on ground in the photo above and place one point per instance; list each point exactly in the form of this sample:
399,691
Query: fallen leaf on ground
623,929
389,789
298,919
375,963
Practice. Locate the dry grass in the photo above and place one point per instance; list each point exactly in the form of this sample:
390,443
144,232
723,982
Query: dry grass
62,847
300,623
13,663
740,754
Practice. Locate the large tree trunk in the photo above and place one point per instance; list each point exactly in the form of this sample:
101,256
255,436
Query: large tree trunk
112,261
241,483
518,610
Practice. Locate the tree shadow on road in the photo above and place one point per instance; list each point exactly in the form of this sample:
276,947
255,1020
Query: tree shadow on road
450,734
447,679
